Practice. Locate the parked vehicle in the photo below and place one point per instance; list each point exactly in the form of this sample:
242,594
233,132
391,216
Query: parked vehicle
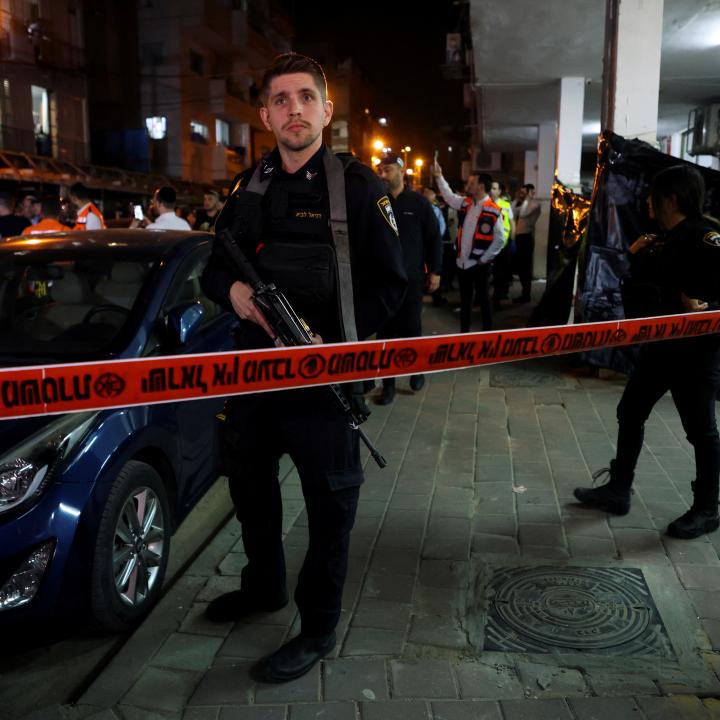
89,501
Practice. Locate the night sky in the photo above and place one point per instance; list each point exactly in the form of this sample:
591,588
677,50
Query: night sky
400,46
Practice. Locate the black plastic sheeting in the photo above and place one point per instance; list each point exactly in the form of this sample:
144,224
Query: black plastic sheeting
569,215
617,217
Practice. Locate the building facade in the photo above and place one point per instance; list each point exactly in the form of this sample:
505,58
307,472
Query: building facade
201,62
43,85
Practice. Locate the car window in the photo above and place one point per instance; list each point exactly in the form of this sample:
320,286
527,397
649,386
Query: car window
185,288
66,304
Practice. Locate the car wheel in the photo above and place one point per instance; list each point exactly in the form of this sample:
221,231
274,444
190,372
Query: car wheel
132,548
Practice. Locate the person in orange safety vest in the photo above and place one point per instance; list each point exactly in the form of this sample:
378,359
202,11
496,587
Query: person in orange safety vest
88,215
481,236
48,218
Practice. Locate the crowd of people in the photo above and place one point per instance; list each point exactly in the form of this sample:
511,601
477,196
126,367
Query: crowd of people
29,214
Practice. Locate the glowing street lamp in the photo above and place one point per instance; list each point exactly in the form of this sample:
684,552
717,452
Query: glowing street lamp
419,162
378,144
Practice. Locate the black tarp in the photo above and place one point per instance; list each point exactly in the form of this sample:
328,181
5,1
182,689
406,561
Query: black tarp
569,214
618,216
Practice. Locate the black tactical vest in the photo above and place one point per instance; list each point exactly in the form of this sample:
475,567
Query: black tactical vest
296,251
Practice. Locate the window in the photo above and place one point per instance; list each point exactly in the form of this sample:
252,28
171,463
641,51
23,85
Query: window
156,127
41,120
199,132
222,132
40,110
197,63
185,288
6,118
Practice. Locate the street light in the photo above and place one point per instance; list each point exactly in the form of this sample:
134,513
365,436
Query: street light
405,151
378,144
419,162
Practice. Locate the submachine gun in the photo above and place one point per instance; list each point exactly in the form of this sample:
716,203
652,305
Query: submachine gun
289,327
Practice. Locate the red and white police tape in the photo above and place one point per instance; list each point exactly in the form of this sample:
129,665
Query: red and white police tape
52,389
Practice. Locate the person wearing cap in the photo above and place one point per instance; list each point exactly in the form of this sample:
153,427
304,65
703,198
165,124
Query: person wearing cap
481,236
421,244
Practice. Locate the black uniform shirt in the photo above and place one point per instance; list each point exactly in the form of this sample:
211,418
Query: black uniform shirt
690,264
379,280
419,234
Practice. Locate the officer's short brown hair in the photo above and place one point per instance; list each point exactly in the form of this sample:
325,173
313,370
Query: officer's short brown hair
289,64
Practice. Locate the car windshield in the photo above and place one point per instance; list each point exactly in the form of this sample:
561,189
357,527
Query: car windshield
67,305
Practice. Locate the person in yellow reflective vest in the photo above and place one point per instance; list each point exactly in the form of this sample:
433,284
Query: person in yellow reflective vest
501,266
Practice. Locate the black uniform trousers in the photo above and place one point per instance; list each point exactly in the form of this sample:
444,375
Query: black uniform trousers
306,424
523,261
407,321
475,279
690,370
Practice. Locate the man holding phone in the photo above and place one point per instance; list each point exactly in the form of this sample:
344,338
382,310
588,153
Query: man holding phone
163,205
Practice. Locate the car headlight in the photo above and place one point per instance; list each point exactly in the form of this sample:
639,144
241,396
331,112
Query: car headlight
23,584
27,469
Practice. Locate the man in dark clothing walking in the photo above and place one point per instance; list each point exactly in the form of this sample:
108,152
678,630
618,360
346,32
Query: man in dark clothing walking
288,216
422,253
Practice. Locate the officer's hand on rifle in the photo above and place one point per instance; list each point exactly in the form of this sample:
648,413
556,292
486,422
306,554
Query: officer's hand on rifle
241,298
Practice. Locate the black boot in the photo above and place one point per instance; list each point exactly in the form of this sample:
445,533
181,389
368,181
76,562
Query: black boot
700,519
613,497
293,659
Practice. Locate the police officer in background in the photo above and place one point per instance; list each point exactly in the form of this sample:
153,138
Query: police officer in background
280,214
685,261
422,253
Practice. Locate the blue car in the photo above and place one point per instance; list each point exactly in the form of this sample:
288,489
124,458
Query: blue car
89,501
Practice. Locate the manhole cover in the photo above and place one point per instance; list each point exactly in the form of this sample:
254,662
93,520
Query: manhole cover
605,611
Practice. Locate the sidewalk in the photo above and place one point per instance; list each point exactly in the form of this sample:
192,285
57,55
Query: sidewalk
476,588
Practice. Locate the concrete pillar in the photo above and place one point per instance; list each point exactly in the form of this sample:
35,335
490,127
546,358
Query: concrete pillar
570,130
631,67
546,152
531,167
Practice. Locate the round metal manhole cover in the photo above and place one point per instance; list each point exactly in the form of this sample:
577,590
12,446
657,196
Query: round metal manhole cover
580,609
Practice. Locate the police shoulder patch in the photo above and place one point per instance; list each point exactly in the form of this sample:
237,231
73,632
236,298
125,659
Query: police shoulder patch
387,212
712,238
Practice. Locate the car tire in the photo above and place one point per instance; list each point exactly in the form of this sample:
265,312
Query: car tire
131,550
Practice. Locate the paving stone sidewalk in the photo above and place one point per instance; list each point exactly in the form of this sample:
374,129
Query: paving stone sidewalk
481,467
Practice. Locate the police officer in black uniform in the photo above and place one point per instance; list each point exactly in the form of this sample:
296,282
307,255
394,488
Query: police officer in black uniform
685,261
422,252
280,215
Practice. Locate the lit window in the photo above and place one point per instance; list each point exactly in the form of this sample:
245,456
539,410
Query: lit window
199,132
40,110
156,127
222,132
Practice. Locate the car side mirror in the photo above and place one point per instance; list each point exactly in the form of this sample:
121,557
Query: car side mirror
183,321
